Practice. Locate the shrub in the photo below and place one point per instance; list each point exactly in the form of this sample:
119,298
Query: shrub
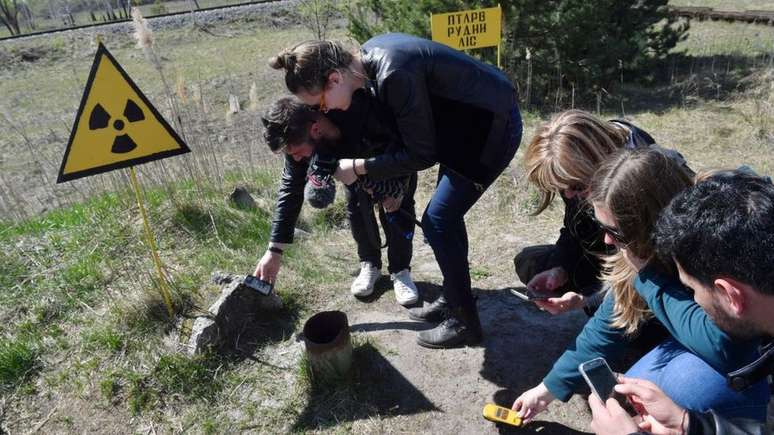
318,16
550,46
158,8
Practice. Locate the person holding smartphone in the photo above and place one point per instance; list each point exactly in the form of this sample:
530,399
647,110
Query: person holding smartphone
560,161
450,109
703,231
628,192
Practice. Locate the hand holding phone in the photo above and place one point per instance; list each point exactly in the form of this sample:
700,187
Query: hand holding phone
600,378
499,414
602,382
549,280
530,295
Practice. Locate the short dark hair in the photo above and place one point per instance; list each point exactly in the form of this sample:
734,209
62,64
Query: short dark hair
722,227
287,121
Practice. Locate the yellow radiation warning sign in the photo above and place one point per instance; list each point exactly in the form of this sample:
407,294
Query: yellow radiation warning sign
116,126
464,30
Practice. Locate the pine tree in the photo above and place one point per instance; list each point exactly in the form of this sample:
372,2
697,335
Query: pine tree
573,44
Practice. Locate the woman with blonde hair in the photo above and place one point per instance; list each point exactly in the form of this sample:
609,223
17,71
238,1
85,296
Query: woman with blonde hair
560,160
627,193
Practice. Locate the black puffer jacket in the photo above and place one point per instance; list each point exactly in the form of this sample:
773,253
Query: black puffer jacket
449,107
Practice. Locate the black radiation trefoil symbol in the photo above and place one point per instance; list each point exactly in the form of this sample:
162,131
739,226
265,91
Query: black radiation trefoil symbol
101,119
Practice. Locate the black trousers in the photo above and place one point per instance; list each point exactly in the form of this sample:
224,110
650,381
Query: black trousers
398,228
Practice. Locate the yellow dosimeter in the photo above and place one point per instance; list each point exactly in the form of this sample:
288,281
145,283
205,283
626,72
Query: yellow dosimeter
498,414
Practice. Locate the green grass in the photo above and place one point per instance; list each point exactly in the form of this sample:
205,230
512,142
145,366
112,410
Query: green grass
332,217
80,290
109,386
194,378
104,338
718,38
18,361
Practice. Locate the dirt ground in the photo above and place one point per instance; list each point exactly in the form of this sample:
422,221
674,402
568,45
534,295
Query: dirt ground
452,386
444,391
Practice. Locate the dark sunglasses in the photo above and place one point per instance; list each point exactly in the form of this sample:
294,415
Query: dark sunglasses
615,233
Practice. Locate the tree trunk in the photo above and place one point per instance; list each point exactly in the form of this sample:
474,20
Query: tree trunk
9,15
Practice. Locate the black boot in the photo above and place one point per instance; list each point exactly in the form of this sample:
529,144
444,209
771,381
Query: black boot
461,327
434,312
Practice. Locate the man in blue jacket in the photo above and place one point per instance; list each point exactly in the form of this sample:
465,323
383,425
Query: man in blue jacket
720,234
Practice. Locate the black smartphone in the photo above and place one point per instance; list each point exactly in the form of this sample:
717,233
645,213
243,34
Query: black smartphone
530,295
602,382
258,285
600,378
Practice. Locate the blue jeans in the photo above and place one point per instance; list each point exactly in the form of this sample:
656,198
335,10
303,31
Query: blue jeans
443,222
696,386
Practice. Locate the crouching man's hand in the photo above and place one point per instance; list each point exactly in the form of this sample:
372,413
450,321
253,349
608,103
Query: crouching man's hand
268,267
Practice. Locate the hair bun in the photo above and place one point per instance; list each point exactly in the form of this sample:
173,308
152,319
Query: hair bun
277,62
285,60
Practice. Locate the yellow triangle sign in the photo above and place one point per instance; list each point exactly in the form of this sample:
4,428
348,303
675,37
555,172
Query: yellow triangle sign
116,126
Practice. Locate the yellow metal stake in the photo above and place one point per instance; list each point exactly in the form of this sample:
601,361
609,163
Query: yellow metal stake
165,294
500,41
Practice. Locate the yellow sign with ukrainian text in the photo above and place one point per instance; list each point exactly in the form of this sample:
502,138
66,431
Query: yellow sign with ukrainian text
464,30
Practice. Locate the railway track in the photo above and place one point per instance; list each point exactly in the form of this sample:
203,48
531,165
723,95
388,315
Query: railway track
695,13
149,18
704,13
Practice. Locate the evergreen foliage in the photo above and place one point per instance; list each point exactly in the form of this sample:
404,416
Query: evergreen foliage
550,46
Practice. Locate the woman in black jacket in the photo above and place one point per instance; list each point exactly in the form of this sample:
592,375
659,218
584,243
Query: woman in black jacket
450,109
559,161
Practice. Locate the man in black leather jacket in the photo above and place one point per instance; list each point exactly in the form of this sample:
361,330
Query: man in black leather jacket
301,131
720,233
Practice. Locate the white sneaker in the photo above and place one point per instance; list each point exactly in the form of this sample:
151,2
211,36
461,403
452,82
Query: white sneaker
363,285
406,292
